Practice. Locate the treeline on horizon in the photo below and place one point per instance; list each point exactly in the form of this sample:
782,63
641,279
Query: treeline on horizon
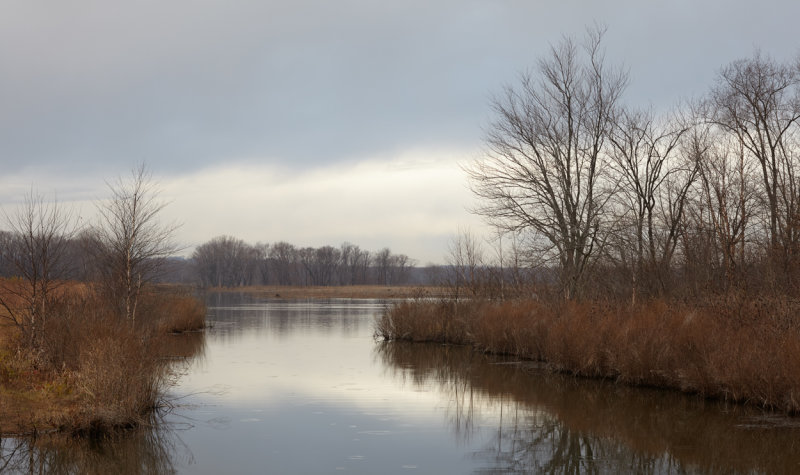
226,261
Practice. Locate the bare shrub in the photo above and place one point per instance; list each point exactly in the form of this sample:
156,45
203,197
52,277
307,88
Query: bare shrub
122,380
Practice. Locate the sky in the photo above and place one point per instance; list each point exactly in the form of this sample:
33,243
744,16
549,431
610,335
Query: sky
315,121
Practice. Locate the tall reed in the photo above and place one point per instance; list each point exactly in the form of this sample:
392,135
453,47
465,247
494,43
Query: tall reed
100,372
745,350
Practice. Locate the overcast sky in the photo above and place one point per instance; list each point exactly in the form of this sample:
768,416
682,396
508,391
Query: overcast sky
318,121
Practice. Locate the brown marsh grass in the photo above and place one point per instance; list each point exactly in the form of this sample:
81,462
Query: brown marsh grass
731,348
93,372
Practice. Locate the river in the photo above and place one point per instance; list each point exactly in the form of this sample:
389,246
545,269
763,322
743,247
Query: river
303,387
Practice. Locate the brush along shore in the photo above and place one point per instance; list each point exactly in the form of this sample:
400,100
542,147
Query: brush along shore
728,347
92,372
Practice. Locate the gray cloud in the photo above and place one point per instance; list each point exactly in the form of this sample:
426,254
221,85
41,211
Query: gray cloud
317,94
185,84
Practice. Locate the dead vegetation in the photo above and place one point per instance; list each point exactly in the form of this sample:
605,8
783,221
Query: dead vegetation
91,371
731,348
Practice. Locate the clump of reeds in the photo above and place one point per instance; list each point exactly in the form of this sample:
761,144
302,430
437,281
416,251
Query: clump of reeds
174,312
121,380
423,320
745,350
111,373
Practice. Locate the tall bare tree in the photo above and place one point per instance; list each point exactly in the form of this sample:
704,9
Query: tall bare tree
37,253
285,262
544,167
383,265
727,195
225,261
655,181
757,100
134,242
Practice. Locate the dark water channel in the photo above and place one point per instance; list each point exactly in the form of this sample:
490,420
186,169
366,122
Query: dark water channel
302,387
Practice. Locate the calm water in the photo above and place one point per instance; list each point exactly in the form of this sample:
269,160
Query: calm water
302,387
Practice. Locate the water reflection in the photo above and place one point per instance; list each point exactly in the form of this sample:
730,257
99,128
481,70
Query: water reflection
550,423
149,451
154,449
302,387
238,314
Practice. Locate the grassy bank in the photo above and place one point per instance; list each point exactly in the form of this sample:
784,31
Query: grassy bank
733,348
91,372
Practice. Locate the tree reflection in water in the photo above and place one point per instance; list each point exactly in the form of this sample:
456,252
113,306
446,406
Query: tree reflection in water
141,451
551,423
154,449
536,421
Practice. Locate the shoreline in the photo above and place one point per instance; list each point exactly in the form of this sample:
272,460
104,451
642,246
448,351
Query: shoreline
292,292
746,352
94,373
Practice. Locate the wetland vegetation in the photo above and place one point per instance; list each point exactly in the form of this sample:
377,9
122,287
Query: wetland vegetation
655,250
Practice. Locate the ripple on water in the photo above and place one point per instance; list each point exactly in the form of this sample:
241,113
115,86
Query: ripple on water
375,432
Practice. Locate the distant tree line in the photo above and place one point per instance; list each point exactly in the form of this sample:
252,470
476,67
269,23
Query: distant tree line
227,261
612,200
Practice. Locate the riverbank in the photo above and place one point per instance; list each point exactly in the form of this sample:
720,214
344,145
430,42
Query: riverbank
91,372
338,291
727,347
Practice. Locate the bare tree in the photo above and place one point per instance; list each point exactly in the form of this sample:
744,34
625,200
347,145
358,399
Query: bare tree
727,194
466,268
134,242
37,253
383,266
261,255
757,100
321,264
655,181
327,261
284,258
355,264
544,167
225,261
350,257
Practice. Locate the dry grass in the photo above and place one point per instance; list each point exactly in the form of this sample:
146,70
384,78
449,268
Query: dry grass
745,350
174,312
93,372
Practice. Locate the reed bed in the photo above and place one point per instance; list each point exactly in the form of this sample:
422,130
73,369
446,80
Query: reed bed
92,372
727,347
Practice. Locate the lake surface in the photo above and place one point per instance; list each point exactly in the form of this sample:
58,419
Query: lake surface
303,387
